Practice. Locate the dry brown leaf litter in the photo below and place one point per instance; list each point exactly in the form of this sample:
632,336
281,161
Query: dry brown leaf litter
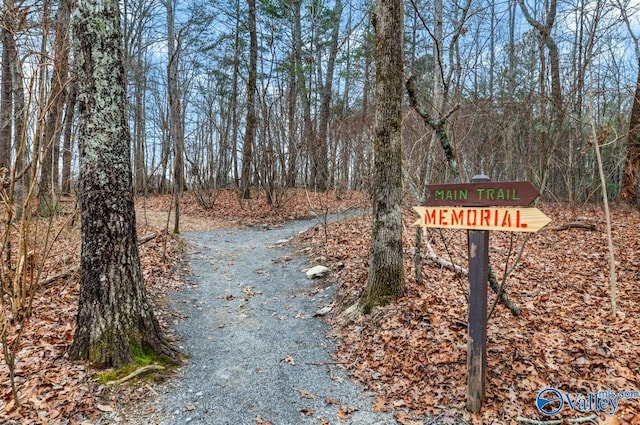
413,353
54,390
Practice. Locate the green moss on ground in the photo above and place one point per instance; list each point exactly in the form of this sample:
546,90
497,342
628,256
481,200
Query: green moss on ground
142,357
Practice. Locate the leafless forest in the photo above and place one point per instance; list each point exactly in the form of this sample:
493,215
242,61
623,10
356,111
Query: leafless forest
280,94
277,101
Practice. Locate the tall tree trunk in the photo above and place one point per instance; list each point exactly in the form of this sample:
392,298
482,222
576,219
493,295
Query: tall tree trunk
54,109
114,314
234,98
386,278
308,129
320,160
176,133
139,157
557,108
163,185
292,148
250,129
6,102
629,187
41,149
25,174
12,110
67,144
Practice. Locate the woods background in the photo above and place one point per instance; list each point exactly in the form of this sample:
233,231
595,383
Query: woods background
515,87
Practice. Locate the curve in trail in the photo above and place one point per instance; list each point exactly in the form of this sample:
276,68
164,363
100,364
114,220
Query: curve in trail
257,353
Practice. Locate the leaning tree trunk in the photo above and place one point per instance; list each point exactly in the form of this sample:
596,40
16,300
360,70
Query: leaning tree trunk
628,190
386,278
114,315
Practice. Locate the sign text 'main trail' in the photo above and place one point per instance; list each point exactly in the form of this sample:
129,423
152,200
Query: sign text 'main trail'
503,194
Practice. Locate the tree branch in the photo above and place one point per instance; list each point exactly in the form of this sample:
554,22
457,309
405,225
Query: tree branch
592,418
493,283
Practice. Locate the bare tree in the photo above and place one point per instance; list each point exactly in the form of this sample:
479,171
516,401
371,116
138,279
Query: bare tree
54,109
319,168
68,140
555,129
250,129
6,103
628,188
175,119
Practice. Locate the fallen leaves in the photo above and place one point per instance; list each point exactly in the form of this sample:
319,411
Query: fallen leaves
289,360
345,411
104,408
412,354
53,389
610,420
306,394
308,411
261,421
403,418
229,211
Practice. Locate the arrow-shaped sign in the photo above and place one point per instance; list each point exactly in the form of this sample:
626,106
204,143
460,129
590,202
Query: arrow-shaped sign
482,218
497,194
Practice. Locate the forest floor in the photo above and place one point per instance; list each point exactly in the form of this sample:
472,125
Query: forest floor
411,354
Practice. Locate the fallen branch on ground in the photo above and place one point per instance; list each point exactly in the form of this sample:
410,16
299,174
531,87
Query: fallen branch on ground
48,281
504,297
65,274
575,225
592,418
146,238
493,283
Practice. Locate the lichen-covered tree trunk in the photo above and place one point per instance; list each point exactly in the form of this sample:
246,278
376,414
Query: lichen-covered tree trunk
386,277
114,314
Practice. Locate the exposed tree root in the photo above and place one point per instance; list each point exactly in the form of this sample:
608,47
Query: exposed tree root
349,316
137,372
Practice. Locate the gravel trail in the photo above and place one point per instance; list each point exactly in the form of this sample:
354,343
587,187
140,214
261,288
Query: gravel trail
258,355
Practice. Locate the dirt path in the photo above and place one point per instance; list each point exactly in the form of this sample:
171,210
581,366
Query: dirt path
258,355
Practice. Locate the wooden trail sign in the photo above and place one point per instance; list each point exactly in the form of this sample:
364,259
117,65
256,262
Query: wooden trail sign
480,206
482,193
482,218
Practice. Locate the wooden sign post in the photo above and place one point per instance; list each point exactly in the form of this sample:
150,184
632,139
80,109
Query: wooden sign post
480,206
477,324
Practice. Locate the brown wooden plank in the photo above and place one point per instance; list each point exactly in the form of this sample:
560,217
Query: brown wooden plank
510,219
486,193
